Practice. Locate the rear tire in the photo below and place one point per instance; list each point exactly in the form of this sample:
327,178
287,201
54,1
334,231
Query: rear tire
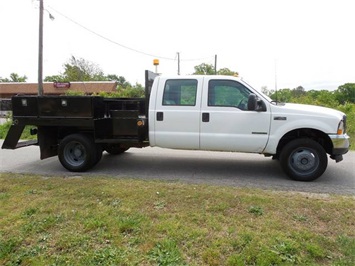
78,153
303,159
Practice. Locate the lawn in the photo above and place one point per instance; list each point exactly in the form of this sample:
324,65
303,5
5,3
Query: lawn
52,220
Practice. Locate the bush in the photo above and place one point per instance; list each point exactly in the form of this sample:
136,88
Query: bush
4,128
129,92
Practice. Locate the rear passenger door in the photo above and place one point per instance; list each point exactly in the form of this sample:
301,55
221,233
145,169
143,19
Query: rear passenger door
177,113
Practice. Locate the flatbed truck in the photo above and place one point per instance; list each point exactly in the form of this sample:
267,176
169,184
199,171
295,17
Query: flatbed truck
196,112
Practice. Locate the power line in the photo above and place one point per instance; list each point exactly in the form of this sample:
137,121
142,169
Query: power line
122,45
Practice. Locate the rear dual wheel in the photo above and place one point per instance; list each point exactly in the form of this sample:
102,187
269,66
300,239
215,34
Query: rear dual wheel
78,152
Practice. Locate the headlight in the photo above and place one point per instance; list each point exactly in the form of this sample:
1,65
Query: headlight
342,126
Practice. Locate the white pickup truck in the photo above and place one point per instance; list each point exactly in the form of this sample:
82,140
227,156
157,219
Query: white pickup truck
215,113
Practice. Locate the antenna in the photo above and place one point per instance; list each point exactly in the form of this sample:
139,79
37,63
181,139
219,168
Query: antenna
178,56
276,79
215,64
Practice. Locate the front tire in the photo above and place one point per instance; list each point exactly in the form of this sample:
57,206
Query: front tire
78,153
303,159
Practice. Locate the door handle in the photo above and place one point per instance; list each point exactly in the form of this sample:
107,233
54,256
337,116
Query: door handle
205,117
160,116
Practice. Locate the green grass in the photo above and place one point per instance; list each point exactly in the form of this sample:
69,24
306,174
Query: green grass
118,221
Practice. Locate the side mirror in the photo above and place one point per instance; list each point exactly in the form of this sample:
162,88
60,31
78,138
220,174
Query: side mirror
252,102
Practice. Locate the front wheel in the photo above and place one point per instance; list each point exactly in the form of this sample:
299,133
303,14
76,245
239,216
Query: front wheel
303,159
78,153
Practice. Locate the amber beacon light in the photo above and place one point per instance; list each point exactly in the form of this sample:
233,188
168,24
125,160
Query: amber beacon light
156,63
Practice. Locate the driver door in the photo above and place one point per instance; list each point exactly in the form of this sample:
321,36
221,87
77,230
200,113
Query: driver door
226,123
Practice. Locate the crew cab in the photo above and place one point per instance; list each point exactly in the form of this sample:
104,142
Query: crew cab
196,112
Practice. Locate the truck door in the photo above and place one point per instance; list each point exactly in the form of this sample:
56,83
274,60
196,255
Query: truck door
226,124
177,113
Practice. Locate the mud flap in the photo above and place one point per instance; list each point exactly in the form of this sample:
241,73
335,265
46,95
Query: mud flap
48,143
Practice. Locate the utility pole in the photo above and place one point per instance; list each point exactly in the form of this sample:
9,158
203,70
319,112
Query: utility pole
40,50
178,56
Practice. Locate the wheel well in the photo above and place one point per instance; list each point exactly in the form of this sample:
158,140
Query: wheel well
66,131
318,136
49,138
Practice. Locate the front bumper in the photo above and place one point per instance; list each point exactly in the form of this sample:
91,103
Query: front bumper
341,146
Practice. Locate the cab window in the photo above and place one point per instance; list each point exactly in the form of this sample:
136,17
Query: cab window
180,92
227,93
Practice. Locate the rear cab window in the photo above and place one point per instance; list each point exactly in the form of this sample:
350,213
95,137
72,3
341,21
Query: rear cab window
180,92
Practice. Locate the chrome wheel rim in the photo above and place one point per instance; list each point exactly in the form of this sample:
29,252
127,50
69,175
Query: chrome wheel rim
304,161
74,153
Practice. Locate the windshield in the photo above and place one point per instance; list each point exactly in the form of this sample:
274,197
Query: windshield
262,94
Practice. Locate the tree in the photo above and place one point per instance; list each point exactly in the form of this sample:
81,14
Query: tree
227,72
346,93
79,70
299,91
14,78
113,77
208,69
55,78
121,81
82,70
131,91
204,69
283,95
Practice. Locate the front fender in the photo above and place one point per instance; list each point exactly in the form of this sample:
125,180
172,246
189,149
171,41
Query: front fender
280,128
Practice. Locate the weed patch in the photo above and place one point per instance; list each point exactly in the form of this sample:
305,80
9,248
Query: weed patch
166,252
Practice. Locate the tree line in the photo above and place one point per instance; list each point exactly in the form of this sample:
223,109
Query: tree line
343,98
79,69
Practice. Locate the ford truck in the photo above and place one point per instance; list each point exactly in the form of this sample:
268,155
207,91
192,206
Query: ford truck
196,112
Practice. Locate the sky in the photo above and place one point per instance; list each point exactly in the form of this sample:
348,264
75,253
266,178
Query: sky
274,43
